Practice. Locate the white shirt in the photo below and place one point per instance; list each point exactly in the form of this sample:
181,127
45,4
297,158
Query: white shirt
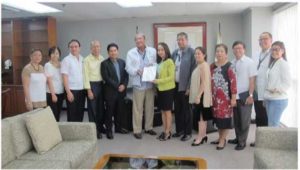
264,57
73,68
244,69
134,62
278,77
56,76
37,87
177,65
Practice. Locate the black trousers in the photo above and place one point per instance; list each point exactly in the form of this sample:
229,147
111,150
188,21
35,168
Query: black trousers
183,114
242,120
56,107
75,109
96,106
114,109
261,117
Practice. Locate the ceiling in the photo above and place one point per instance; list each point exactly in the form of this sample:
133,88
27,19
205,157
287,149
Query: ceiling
98,11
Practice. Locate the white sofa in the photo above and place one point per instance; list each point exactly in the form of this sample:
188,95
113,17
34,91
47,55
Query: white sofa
77,150
276,148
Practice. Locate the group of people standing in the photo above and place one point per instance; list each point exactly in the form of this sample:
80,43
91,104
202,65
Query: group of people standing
223,91
77,79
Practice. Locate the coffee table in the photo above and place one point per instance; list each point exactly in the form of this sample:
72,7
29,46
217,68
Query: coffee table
126,161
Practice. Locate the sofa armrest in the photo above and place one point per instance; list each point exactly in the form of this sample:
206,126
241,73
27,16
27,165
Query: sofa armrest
77,131
277,138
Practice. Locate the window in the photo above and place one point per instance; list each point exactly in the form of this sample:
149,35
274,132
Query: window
285,29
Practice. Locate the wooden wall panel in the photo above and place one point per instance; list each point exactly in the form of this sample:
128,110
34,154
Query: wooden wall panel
19,37
13,102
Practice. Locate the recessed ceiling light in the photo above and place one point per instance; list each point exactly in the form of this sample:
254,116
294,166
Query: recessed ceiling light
30,6
134,3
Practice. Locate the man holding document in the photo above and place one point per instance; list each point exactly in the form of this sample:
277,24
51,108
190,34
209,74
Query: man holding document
140,62
149,73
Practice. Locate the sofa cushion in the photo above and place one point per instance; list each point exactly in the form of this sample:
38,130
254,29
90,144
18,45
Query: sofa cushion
72,151
8,153
275,159
43,130
277,138
20,137
30,164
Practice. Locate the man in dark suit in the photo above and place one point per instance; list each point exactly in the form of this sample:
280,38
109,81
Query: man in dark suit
115,82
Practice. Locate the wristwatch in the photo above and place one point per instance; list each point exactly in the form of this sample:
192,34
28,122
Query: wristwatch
250,94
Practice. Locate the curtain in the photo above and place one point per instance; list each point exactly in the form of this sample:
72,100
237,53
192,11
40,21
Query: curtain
285,29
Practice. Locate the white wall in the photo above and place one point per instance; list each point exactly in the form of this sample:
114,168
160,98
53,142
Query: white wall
247,33
261,22
255,21
122,31
245,26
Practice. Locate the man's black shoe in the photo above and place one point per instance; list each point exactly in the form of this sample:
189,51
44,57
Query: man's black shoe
151,132
137,135
186,137
176,135
233,141
109,135
239,147
99,135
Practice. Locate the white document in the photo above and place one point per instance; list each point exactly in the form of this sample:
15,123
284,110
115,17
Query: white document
149,73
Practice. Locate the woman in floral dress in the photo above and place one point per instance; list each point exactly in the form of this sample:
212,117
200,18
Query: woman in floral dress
223,94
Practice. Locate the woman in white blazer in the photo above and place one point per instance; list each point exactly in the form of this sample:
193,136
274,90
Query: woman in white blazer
278,79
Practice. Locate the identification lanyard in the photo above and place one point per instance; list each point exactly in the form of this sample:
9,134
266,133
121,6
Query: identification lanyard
179,55
261,60
144,55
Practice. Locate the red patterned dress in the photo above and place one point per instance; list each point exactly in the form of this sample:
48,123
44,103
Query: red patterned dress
223,86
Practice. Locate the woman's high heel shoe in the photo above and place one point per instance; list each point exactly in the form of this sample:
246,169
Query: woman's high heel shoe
162,135
204,139
165,137
221,148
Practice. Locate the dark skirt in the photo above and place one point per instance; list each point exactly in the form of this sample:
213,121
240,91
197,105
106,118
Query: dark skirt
199,110
223,123
165,99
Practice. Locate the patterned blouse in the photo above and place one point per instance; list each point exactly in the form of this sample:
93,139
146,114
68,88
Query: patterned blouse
223,86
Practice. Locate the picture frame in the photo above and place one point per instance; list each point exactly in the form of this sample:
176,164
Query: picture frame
167,32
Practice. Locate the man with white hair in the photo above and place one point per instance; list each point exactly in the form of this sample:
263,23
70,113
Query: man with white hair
137,59
93,84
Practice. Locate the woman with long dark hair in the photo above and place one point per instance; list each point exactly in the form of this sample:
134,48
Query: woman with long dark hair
278,81
165,83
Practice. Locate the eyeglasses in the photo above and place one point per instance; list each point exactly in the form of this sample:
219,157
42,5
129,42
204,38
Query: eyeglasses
263,39
276,49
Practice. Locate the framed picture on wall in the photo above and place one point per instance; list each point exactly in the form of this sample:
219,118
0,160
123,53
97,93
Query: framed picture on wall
167,32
